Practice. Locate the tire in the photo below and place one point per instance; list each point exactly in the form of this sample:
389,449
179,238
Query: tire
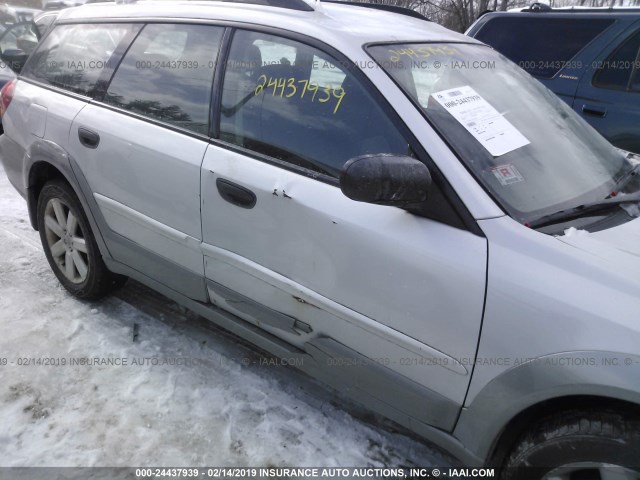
69,244
578,444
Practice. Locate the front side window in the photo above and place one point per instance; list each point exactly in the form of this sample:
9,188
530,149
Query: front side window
541,46
618,71
73,57
295,103
167,75
526,146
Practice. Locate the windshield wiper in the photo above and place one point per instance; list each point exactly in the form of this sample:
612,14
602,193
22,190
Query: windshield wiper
624,179
583,210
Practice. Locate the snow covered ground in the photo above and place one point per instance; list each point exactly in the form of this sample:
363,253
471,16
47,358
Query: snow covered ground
217,407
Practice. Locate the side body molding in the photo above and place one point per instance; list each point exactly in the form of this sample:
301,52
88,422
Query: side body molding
364,377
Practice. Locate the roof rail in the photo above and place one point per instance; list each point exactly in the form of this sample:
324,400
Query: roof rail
300,5
380,6
544,8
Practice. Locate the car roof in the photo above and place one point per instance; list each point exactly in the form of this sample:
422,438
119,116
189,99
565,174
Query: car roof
329,22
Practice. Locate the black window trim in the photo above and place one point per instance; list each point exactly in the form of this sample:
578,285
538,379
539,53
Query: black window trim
463,218
99,100
116,57
448,191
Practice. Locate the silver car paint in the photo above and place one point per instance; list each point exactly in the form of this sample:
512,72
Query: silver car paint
338,250
547,297
37,109
146,180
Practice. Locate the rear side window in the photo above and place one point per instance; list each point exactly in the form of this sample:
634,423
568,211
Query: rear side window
167,75
297,104
73,57
541,46
620,70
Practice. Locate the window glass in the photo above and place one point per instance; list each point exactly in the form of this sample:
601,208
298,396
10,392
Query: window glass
635,83
541,46
325,73
524,144
295,103
74,56
167,75
615,72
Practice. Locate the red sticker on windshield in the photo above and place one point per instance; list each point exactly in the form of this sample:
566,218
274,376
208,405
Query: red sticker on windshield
507,174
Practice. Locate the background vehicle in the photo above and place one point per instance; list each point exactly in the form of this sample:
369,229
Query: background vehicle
44,20
588,57
318,197
17,41
61,4
14,14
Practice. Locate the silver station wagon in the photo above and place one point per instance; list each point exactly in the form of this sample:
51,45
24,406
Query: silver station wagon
417,220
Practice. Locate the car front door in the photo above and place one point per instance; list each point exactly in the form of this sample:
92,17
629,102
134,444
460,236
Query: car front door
365,288
608,96
141,147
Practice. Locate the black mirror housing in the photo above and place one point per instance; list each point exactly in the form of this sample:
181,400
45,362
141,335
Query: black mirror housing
385,179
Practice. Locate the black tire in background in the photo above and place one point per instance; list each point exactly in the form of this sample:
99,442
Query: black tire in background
69,244
581,444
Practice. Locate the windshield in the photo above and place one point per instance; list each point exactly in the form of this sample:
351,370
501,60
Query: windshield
524,144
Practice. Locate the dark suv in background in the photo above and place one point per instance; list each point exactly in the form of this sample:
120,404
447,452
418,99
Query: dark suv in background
589,57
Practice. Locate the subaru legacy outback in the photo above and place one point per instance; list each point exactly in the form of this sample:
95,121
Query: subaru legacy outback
418,220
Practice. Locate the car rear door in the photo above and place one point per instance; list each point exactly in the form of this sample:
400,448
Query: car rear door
141,144
608,96
388,298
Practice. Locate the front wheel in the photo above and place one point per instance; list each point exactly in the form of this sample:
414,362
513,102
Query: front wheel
581,444
69,244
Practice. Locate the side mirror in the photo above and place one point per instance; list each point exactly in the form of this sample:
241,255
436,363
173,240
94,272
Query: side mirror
385,180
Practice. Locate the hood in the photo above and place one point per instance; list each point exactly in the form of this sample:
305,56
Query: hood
618,246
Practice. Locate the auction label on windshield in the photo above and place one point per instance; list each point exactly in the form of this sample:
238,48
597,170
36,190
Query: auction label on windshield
481,120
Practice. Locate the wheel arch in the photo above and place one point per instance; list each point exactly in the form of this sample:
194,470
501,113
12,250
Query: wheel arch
494,419
520,423
47,161
39,174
